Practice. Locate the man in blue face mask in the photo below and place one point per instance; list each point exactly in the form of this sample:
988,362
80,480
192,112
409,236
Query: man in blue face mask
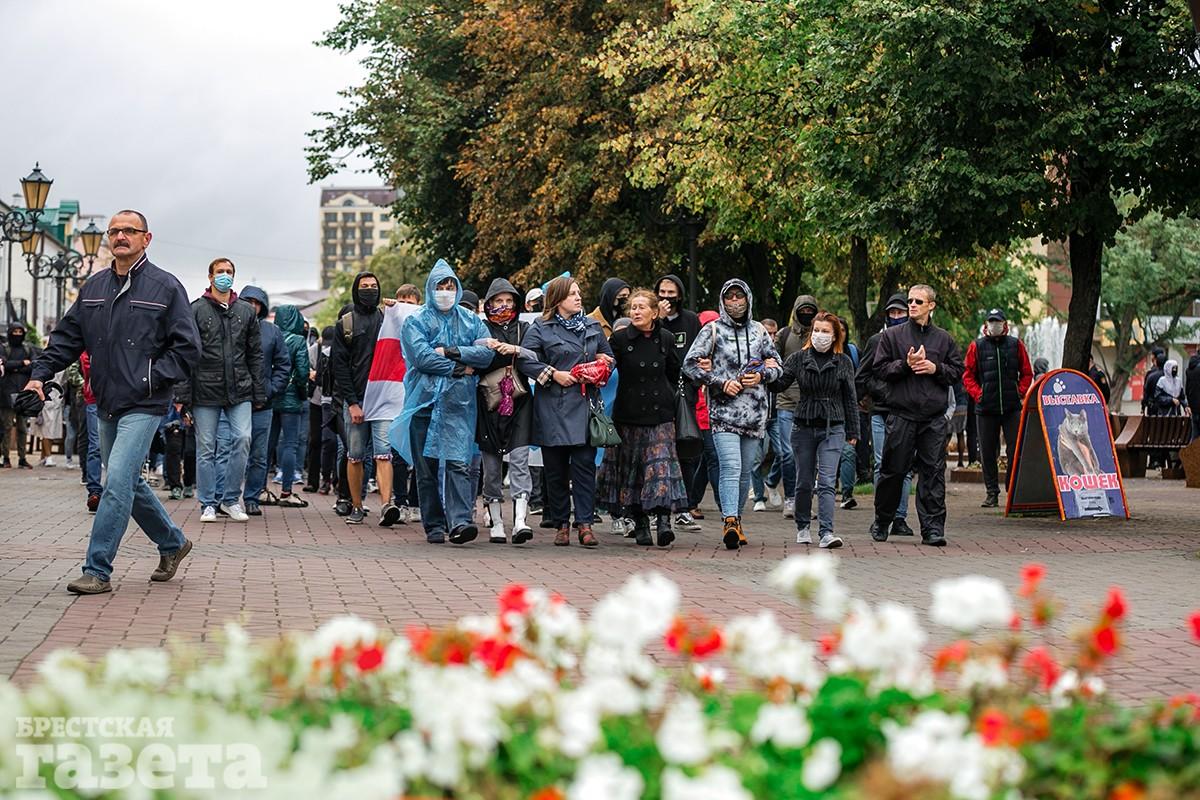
228,378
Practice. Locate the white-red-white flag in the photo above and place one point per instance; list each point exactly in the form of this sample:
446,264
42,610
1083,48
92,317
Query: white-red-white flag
385,385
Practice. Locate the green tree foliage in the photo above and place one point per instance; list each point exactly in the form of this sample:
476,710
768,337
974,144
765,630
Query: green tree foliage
1151,278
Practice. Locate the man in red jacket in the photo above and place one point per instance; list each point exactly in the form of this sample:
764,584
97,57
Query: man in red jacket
997,376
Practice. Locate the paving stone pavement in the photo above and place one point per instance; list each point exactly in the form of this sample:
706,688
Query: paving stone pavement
292,569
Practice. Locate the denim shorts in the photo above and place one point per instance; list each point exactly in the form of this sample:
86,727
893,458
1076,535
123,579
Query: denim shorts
357,436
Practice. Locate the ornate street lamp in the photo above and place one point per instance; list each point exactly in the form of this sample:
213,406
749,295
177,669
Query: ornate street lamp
32,245
36,189
91,237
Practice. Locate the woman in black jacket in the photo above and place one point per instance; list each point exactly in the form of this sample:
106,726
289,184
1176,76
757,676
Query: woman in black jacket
642,476
507,428
826,419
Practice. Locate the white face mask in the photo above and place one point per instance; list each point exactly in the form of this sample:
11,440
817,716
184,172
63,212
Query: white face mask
821,342
995,328
444,299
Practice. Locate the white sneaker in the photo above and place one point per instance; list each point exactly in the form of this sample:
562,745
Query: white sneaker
774,497
209,514
404,515
618,526
760,505
235,512
789,508
804,536
830,542
686,522
48,462
372,487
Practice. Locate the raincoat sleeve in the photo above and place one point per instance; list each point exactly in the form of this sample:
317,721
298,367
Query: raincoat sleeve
476,355
701,348
419,353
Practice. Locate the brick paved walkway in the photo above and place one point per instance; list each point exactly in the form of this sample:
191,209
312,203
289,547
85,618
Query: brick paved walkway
292,569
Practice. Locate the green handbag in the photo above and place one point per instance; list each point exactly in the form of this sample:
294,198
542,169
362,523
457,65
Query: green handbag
601,430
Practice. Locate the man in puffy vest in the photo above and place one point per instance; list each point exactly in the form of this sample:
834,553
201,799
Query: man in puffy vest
997,375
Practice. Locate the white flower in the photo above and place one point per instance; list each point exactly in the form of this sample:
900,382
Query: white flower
813,578
682,736
970,602
346,631
715,783
761,649
605,777
138,667
987,672
886,640
823,765
578,721
64,672
937,747
638,612
785,725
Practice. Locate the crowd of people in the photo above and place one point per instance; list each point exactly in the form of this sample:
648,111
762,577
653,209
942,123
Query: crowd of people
630,412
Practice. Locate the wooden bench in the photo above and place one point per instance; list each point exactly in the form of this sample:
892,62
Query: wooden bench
1140,435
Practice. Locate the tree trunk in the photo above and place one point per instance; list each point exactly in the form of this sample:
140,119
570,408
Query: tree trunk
757,258
856,287
1086,248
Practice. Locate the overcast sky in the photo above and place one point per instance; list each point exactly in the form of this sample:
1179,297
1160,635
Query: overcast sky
194,113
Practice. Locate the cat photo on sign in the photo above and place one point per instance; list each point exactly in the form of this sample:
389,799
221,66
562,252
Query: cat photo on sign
1076,455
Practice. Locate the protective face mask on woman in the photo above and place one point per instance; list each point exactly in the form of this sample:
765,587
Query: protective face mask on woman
443,299
821,342
736,308
995,328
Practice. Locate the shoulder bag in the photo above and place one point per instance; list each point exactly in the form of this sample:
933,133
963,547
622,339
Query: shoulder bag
601,430
491,389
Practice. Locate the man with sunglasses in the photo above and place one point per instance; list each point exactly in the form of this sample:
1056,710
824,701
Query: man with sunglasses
917,362
136,324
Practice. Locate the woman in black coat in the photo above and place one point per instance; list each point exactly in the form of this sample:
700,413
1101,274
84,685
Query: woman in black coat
642,476
507,427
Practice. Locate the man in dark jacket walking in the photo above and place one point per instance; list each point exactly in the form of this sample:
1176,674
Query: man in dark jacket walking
16,364
872,393
789,340
684,326
919,362
228,379
277,367
134,321
1191,388
997,375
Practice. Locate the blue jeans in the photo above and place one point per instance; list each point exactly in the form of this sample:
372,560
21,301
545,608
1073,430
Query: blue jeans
818,451
848,469
124,444
783,469
736,456
444,511
93,450
878,434
756,476
256,462
206,419
289,437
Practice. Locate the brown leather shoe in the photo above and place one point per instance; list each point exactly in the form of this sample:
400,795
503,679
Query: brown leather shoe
586,537
167,565
563,537
88,584
742,540
730,535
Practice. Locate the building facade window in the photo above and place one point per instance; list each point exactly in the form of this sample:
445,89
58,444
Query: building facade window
367,216
366,234
350,233
347,216
348,251
368,249
331,249
331,233
331,216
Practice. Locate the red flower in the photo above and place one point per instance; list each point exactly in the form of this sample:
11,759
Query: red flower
951,656
1115,608
695,638
1194,621
513,598
676,635
829,643
1036,722
708,644
1127,791
338,654
1031,576
496,654
993,727
1040,664
548,793
1106,640
421,639
369,658
1014,624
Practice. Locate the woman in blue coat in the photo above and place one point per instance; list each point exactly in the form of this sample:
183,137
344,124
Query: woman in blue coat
562,338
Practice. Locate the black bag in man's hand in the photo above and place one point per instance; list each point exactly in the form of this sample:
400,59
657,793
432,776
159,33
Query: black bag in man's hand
27,403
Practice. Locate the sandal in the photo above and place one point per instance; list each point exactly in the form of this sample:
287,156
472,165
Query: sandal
586,537
563,537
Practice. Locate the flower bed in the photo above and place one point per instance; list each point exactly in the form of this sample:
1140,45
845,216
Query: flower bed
537,702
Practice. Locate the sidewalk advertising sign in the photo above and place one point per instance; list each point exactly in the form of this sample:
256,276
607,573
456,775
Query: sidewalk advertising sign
1065,461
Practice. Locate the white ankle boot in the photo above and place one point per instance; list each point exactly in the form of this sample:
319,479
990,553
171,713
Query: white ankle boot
497,530
521,530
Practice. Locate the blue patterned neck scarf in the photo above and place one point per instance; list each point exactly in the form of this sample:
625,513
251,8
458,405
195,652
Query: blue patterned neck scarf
573,323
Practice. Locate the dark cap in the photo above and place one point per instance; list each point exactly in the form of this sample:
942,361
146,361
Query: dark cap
898,301
996,314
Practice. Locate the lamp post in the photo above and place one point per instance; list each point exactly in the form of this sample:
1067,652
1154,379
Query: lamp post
66,266
21,226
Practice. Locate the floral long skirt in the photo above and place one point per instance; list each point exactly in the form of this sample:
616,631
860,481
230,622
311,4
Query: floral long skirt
642,475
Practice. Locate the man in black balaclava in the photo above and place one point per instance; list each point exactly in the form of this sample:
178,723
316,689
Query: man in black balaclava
684,326
16,362
614,295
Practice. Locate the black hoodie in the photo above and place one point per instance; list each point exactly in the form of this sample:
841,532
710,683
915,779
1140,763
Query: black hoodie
684,325
14,352
354,346
1191,384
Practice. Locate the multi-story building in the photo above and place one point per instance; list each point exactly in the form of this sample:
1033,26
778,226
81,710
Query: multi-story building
355,222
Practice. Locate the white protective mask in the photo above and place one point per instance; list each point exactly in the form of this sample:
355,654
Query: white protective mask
995,328
821,342
443,299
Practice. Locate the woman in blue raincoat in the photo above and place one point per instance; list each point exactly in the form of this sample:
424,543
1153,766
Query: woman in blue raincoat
443,344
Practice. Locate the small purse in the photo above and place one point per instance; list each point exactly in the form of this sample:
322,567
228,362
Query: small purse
490,385
601,430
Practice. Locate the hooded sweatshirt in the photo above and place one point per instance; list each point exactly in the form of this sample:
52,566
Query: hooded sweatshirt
789,340
683,325
437,385
354,346
732,345
606,313
15,352
276,362
291,323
